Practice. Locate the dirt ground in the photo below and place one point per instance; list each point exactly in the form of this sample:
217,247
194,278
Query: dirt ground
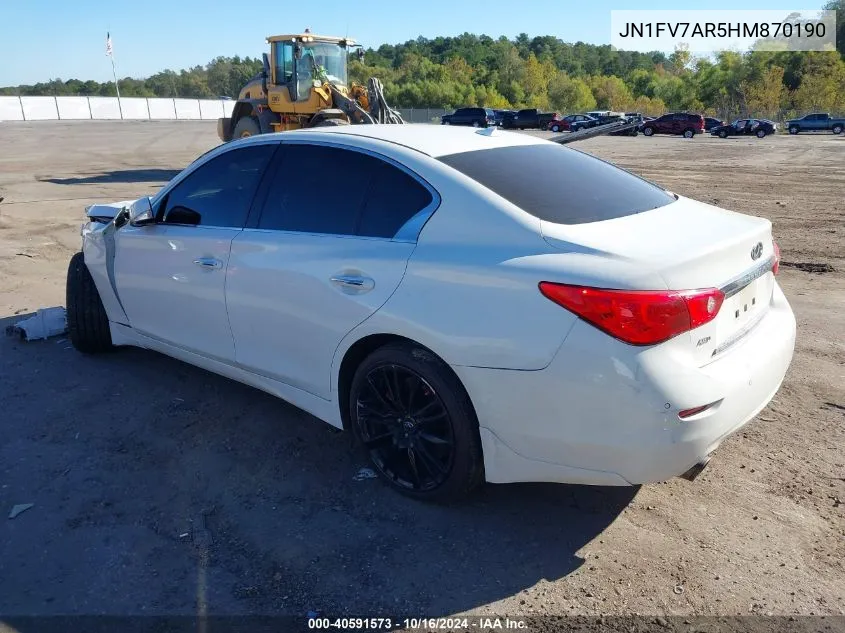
159,488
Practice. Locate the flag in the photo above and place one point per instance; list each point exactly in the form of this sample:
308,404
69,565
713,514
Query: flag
108,44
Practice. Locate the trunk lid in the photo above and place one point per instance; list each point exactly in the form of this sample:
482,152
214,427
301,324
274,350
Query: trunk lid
690,245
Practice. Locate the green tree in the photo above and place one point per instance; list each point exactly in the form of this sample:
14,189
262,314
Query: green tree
570,94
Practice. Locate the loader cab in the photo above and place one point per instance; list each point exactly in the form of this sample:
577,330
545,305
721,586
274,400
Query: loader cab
304,61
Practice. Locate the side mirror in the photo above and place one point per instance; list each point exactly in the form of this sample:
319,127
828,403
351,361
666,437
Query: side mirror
360,53
141,212
183,215
297,50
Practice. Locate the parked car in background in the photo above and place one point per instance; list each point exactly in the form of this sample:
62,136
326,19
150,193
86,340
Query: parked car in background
437,307
529,118
629,117
710,123
565,123
816,122
499,115
745,127
475,117
684,123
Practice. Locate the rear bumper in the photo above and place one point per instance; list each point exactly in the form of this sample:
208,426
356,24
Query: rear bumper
607,413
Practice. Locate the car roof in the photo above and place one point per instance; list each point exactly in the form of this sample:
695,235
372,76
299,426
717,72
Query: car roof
432,140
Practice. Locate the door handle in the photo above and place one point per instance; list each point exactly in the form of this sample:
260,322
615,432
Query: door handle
353,283
208,262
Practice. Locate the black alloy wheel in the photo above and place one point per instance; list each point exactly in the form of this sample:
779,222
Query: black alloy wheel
406,428
416,423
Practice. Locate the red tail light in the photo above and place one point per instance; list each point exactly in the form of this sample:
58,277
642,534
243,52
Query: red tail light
638,317
776,266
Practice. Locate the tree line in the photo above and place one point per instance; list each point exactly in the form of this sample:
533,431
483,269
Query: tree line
542,72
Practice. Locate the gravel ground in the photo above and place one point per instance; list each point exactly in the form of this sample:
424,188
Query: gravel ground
159,488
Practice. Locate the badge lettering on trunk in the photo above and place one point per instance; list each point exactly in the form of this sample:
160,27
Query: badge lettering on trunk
757,251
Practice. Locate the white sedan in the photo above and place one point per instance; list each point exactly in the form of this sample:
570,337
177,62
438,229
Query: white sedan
472,305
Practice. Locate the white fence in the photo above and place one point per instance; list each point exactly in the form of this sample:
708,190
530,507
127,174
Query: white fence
104,108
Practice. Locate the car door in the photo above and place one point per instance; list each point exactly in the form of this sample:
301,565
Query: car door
329,248
171,275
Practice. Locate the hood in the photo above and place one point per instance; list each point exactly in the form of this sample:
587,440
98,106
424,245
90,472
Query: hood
106,211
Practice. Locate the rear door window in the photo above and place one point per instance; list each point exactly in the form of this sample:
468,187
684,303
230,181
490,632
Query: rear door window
336,191
558,184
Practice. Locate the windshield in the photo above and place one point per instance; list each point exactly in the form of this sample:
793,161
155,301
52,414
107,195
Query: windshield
323,61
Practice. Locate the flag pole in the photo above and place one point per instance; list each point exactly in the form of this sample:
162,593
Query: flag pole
110,53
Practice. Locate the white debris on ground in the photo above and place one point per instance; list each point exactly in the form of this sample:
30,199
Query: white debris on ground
365,473
47,322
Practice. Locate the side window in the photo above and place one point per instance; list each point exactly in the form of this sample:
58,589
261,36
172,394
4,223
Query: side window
393,199
220,192
283,62
329,190
317,189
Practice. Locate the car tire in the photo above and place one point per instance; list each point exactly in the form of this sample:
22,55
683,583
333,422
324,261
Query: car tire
447,449
837,129
555,128
689,133
245,127
648,131
761,133
87,322
794,129
723,134
447,123
475,124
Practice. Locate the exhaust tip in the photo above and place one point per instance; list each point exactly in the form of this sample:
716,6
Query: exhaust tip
696,470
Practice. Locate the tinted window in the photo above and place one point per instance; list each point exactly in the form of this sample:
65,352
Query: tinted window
320,189
558,184
317,189
220,192
393,199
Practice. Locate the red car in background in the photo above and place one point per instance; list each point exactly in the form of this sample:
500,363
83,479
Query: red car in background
685,123
562,124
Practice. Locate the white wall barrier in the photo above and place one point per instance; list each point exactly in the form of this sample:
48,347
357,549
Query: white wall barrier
103,108
108,108
210,109
10,109
187,108
39,108
161,109
73,107
134,108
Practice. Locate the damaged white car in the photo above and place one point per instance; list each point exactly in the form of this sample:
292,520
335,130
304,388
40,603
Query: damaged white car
472,306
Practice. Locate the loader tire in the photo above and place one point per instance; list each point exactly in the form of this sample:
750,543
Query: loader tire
88,325
246,126
332,122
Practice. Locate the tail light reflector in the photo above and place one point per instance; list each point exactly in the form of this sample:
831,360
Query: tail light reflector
638,317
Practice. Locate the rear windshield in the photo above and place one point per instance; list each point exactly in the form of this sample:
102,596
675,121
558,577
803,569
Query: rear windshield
558,184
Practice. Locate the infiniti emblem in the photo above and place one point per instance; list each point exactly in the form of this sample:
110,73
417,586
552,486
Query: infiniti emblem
757,251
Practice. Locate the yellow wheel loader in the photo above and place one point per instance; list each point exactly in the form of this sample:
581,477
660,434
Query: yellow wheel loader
304,83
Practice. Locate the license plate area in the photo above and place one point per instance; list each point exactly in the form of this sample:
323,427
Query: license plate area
745,304
742,310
